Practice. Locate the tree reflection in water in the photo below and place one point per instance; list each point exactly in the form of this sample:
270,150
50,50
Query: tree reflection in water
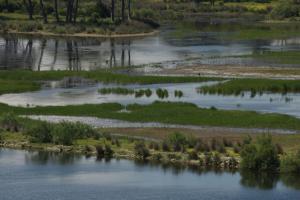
261,180
63,54
250,179
44,158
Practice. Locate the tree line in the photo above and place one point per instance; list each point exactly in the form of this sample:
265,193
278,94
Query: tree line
72,7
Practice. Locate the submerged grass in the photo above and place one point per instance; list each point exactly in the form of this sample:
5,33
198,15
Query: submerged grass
165,112
238,86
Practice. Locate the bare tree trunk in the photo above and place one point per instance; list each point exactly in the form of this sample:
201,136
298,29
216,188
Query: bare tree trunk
70,8
56,11
123,10
113,10
129,9
44,13
29,7
43,46
75,11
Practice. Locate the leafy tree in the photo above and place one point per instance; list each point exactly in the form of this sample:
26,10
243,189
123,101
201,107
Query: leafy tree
41,132
260,155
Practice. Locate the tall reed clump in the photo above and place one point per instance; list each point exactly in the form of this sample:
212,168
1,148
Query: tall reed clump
178,93
162,93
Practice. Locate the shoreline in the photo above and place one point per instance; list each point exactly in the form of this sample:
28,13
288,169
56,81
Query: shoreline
83,35
122,154
227,71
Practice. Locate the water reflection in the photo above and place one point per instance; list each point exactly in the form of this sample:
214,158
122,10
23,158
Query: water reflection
18,52
262,180
39,175
249,179
44,158
62,54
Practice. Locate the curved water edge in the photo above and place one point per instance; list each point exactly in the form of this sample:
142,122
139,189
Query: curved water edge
112,123
32,175
84,35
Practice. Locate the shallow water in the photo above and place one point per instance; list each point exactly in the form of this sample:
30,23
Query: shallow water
165,49
50,176
266,103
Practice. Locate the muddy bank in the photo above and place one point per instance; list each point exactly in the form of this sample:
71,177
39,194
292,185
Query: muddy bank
226,71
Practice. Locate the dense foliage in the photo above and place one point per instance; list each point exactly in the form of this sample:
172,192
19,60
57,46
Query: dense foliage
260,155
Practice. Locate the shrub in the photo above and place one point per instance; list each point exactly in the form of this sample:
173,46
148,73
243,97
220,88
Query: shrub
10,122
41,132
192,155
260,155
108,152
141,151
100,151
191,141
290,163
285,9
177,140
216,160
65,132
232,163
157,157
165,146
208,159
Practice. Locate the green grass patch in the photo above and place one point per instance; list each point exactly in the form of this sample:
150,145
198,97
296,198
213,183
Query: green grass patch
23,81
174,113
15,86
101,76
238,86
284,57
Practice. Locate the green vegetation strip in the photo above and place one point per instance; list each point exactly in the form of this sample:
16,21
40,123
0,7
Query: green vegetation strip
15,86
22,81
164,112
285,57
237,86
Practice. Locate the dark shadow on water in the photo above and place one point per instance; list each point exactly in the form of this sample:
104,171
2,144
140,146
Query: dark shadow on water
44,158
260,180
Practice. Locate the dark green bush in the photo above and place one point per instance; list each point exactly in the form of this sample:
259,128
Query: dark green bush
177,140
100,151
260,155
41,132
141,151
10,122
290,163
108,152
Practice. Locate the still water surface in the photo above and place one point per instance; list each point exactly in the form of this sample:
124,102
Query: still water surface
39,175
164,49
